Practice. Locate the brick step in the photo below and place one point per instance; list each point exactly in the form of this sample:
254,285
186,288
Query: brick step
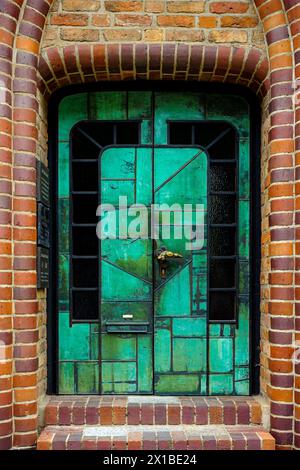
152,410
161,437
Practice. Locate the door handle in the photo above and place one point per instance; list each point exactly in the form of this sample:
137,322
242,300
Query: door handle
163,255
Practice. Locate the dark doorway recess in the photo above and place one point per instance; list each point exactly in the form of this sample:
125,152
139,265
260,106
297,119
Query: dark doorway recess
86,144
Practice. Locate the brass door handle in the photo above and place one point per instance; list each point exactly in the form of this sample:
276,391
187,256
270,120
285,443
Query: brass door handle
162,255
167,254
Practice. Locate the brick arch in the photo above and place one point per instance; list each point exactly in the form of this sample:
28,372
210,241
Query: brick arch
87,63
22,23
279,308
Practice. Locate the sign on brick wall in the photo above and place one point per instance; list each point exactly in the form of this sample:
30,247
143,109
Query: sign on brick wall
42,225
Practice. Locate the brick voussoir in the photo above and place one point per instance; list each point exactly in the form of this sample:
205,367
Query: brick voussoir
246,65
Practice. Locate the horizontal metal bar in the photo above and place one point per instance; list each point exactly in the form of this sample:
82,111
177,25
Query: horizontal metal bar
117,179
94,321
231,322
222,160
127,301
223,193
224,257
84,289
84,256
122,323
84,225
84,160
80,193
233,225
223,289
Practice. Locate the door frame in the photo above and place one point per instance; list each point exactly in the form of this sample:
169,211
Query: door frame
255,213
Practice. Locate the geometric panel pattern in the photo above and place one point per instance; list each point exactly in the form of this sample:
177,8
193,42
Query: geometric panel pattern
183,350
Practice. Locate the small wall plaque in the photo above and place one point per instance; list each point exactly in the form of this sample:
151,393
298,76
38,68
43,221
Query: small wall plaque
42,267
43,225
43,236
42,183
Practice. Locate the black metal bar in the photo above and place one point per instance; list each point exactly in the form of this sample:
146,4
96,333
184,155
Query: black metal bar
89,138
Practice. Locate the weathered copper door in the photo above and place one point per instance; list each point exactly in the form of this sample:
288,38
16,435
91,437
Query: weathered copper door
133,319
153,323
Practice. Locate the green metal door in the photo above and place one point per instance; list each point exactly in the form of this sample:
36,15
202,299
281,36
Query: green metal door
137,302
126,274
180,299
130,320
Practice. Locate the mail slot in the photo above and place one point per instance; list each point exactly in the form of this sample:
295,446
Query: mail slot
127,327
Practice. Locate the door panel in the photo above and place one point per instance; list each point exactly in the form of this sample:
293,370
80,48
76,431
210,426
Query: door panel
180,299
172,344
126,275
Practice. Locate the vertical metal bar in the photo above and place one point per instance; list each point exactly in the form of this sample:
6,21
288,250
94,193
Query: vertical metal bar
153,104
208,202
99,186
237,231
193,130
71,228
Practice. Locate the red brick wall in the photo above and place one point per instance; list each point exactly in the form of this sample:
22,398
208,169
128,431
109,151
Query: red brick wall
215,42
149,20
8,20
278,245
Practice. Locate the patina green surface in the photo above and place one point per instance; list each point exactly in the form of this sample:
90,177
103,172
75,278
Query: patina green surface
128,284
182,353
180,300
126,274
